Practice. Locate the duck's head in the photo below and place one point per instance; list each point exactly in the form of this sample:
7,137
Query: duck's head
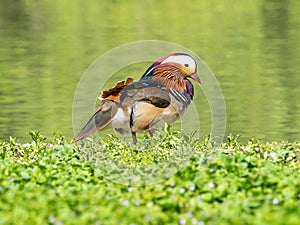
181,64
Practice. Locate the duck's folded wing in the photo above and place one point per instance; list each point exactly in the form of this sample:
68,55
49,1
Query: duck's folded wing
146,91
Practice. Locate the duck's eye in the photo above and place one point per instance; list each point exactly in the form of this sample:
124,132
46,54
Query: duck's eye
186,65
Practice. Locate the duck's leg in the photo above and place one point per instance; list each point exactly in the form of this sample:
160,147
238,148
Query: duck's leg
134,137
151,132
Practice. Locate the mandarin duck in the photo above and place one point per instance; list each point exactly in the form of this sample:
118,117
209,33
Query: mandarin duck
162,95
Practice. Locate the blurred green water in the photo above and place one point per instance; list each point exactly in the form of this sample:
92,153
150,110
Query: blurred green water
251,46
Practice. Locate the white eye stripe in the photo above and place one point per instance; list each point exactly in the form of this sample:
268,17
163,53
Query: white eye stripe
184,60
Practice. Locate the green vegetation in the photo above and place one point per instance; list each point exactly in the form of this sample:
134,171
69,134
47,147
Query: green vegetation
57,182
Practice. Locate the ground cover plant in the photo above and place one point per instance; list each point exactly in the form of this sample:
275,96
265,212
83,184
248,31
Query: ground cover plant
54,181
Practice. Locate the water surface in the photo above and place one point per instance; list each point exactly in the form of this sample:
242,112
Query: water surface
251,46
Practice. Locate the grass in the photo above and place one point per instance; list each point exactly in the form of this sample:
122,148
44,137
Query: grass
170,179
